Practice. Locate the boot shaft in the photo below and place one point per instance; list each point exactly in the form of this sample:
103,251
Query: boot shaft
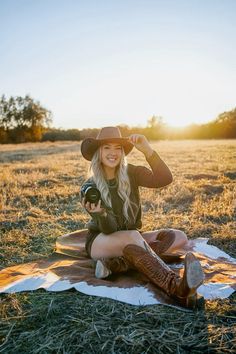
148,263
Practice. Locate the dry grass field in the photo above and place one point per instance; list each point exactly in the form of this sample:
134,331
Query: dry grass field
39,201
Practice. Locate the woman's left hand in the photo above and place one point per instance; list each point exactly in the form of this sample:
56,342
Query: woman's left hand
141,143
94,208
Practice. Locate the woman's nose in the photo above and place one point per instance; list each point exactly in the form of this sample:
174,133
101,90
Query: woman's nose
113,152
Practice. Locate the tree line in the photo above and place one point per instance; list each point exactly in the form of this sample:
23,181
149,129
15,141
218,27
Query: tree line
22,119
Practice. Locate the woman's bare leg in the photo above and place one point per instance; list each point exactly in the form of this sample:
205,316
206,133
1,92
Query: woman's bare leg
181,239
112,245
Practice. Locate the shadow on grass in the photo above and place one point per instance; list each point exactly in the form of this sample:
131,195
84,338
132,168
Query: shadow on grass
70,322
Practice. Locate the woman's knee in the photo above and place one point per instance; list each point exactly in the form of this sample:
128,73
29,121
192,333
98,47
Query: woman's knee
112,245
133,237
108,246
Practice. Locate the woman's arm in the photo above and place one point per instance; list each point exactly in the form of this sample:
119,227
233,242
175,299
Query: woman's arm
103,218
159,175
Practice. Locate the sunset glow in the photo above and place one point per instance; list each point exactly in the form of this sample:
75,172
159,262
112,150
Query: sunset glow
107,63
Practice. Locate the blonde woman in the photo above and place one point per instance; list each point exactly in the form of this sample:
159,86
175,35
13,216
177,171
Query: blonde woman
114,239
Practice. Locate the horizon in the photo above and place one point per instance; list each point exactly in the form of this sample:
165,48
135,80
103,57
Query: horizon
142,126
107,64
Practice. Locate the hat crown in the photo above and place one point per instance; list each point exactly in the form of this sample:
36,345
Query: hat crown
109,133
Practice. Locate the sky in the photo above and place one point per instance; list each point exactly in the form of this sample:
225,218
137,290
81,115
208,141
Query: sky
96,63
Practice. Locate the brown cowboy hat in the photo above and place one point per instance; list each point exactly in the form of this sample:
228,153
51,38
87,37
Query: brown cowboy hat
107,134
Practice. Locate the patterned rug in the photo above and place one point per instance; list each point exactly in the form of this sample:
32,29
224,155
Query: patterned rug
69,267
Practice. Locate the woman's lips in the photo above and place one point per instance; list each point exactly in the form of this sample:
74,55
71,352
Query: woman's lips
111,159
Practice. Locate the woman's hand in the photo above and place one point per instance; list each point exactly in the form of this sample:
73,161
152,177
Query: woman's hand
94,208
141,143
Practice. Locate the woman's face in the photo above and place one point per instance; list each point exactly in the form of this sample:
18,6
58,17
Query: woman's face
111,154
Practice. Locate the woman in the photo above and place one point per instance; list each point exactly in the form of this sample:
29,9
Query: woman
113,238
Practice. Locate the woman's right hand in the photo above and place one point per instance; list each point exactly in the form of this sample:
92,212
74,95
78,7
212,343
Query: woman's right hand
94,208
141,143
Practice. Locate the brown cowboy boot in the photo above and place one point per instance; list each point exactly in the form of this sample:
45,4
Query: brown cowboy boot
182,289
164,239
108,266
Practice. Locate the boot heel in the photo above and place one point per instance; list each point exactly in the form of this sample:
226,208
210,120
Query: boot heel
193,302
183,290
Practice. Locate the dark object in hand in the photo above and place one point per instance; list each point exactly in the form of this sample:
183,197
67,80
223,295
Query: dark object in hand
91,194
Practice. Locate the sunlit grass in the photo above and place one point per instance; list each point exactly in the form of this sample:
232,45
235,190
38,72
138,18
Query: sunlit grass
39,201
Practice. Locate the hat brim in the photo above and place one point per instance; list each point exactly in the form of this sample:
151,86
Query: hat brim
90,145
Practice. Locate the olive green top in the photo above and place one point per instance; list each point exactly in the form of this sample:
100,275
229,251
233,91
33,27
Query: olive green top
113,220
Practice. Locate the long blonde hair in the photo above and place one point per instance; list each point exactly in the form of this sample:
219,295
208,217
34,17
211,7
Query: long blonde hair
97,173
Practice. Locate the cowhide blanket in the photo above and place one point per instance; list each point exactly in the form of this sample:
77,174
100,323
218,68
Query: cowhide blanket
69,267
